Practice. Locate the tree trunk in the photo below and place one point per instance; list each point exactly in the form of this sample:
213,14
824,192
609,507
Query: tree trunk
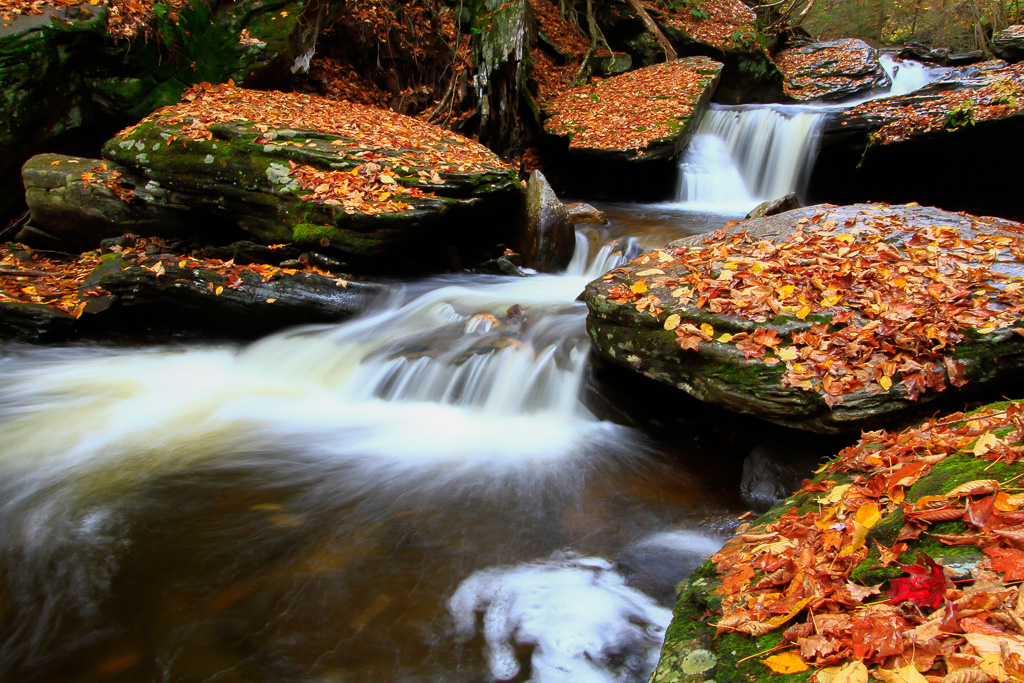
652,28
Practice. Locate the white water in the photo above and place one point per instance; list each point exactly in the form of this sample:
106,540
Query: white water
438,398
743,155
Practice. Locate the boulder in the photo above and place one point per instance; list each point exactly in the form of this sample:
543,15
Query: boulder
856,571
375,189
547,238
583,213
829,319
622,133
1008,44
143,285
831,71
934,145
774,206
73,76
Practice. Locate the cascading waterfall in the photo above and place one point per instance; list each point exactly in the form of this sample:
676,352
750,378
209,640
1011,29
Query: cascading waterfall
326,456
743,155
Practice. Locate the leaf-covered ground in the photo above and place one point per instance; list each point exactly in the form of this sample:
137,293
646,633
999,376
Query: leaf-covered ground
57,279
888,300
125,18
721,23
633,110
995,93
817,70
827,573
398,153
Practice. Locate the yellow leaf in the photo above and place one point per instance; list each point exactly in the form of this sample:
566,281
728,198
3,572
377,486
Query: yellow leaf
725,338
270,301
830,300
784,291
384,196
984,444
672,322
834,495
903,674
852,672
788,353
218,291
781,619
651,271
785,663
639,287
803,312
707,330
885,381
55,163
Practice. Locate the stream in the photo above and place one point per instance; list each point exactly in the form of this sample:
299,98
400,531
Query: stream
436,490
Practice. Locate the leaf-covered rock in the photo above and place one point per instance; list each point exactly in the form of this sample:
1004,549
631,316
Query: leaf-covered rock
151,284
815,588
1008,44
932,145
378,189
80,68
824,318
831,71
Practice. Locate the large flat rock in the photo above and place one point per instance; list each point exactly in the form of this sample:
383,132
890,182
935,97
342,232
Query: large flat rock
831,71
825,318
378,189
869,568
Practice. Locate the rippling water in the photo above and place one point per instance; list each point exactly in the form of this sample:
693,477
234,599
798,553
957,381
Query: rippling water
418,494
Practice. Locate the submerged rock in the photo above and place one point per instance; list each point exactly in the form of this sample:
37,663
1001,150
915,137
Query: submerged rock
581,213
831,71
814,585
830,319
376,189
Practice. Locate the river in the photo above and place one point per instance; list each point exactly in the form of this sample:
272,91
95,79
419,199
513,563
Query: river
442,489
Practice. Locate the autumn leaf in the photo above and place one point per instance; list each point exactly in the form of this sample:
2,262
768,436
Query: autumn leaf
1010,561
926,586
785,663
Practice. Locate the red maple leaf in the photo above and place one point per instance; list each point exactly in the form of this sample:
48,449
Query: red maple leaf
926,586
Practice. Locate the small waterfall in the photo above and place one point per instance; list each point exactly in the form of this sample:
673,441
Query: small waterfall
743,155
906,75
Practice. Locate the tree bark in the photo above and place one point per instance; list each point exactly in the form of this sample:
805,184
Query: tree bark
652,28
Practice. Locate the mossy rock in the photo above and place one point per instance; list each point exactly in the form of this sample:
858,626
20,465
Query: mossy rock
629,327
831,71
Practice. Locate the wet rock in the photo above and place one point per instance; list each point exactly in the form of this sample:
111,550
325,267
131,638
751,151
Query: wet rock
547,237
1008,44
581,213
657,316
831,71
611,151
962,120
731,651
374,189
192,299
65,75
501,45
773,472
775,206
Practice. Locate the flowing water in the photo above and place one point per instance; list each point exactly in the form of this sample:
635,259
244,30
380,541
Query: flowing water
418,494
743,155
442,489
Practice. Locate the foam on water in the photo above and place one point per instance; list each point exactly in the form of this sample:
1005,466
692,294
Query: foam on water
578,616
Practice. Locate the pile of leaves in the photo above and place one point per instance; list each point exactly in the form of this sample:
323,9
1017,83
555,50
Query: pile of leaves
554,74
876,503
630,111
720,23
396,154
816,70
57,279
125,18
995,92
887,302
